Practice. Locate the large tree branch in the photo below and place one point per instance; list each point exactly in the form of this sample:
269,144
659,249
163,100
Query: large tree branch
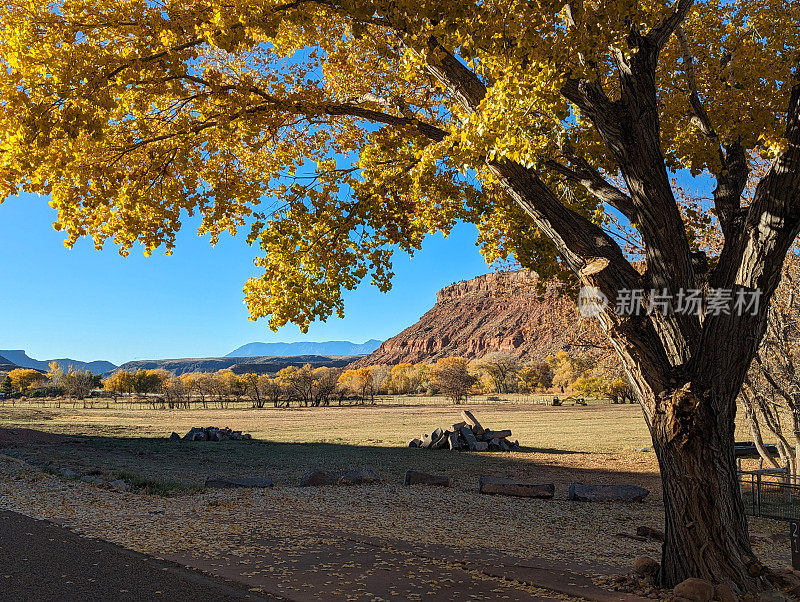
773,217
755,262
630,129
570,229
332,109
587,176
597,259
461,83
659,35
585,247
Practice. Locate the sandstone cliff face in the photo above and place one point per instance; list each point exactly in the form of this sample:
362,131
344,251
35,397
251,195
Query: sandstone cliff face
493,312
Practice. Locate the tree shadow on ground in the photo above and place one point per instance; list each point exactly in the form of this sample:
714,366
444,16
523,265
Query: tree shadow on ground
549,450
186,464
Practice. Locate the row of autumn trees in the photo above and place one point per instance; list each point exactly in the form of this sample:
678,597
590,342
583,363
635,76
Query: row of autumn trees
453,377
56,381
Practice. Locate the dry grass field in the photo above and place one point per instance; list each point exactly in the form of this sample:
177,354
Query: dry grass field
288,442
593,444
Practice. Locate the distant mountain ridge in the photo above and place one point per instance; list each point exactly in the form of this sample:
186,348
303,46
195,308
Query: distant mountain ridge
239,365
6,365
21,359
305,348
253,357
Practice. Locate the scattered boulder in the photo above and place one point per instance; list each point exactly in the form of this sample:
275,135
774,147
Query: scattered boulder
760,538
174,437
645,566
414,477
119,485
724,593
481,446
231,483
780,537
502,486
356,476
415,443
93,479
68,473
650,533
694,589
583,492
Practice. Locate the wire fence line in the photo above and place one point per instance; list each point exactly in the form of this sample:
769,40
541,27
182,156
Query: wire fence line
155,401
769,493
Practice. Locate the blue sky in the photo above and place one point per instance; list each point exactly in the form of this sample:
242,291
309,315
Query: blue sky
87,304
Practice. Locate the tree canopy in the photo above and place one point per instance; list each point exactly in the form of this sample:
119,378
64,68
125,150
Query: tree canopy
334,132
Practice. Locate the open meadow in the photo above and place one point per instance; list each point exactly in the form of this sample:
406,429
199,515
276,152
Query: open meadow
266,534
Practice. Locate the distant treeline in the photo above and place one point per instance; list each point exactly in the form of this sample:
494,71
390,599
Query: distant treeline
453,377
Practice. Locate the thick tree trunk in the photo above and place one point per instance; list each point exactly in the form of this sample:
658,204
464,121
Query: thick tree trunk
705,525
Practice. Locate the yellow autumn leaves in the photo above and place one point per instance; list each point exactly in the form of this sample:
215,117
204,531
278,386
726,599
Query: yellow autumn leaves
310,124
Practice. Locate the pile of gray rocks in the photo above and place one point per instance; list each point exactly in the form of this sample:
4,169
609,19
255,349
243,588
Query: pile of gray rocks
211,433
467,435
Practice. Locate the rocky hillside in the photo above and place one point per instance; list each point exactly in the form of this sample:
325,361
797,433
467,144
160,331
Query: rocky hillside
493,312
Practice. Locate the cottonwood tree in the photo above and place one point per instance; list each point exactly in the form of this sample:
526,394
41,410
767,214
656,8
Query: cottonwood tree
500,369
254,389
79,383
272,388
23,379
341,131
120,381
299,383
536,376
402,378
359,382
567,368
452,378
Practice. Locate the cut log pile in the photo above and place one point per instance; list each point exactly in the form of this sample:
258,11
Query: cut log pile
467,435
